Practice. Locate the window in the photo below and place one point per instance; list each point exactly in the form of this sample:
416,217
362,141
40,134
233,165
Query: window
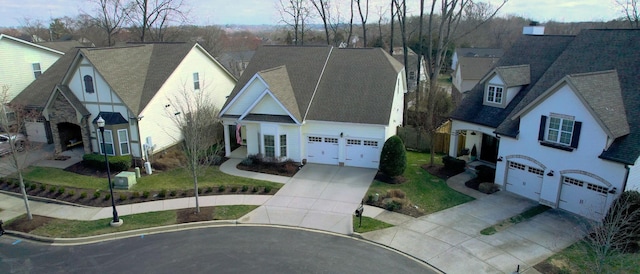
573,181
412,75
37,71
88,84
494,94
283,145
315,139
196,81
123,139
331,140
559,131
353,142
108,142
371,143
269,146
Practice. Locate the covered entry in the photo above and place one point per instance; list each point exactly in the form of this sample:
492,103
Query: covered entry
70,135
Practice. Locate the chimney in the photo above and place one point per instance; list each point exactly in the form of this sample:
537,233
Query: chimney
534,28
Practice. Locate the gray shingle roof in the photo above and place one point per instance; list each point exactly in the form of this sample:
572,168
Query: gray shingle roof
473,68
280,85
479,52
62,46
589,51
356,86
514,75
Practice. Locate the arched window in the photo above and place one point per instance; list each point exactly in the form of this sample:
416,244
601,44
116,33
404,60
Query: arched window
88,84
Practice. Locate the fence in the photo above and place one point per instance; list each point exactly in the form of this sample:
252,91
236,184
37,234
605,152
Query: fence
420,140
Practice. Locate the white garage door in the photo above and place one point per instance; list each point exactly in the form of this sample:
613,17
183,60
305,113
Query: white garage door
322,150
583,198
524,180
362,153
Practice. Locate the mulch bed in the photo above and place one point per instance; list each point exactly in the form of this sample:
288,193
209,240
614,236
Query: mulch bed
439,171
26,226
282,169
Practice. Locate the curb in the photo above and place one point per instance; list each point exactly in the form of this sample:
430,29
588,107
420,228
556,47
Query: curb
119,235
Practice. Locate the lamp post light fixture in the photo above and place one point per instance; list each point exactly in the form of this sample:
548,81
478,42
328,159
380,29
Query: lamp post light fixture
116,221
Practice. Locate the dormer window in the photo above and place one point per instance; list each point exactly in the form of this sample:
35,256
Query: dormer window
88,84
494,94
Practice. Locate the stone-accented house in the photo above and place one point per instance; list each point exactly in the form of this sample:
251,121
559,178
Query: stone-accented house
321,104
130,87
560,118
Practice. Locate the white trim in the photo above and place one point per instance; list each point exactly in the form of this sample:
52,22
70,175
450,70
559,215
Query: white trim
30,44
257,101
105,142
246,86
128,142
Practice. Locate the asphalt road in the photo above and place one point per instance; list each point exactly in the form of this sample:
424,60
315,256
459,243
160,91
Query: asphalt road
210,250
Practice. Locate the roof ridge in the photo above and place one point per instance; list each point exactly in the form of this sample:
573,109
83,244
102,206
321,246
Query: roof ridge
326,61
592,73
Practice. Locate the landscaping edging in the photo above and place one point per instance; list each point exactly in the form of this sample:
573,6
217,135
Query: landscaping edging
43,199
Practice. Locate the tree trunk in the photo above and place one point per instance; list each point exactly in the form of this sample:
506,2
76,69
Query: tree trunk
24,196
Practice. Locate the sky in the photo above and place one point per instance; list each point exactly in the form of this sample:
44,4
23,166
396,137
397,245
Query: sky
258,12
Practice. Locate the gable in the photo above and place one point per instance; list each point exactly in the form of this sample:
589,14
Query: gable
249,94
268,105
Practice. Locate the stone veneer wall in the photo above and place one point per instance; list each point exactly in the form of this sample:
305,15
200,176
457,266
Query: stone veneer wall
61,111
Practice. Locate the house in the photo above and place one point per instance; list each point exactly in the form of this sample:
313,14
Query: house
21,62
412,67
468,72
318,104
130,87
560,118
236,62
474,52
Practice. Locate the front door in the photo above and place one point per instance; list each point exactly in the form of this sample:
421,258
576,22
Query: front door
489,148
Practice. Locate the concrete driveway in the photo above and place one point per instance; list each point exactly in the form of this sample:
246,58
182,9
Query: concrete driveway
451,239
319,196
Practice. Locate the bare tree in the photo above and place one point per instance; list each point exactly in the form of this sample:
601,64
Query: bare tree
196,117
110,16
294,13
154,16
364,15
631,11
322,6
12,121
35,29
401,10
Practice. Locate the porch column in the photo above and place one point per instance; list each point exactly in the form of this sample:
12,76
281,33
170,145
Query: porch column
453,143
227,141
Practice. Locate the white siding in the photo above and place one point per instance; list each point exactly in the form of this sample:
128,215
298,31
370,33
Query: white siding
268,105
584,158
512,92
213,80
397,108
16,61
249,95
633,181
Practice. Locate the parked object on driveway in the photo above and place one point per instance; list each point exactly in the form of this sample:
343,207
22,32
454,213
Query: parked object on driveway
5,144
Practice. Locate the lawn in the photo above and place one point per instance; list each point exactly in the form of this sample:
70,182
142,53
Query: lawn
368,224
428,192
177,179
576,259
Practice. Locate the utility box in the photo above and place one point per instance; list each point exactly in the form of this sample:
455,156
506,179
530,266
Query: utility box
124,180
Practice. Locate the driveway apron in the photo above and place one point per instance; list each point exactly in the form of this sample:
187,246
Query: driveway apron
319,197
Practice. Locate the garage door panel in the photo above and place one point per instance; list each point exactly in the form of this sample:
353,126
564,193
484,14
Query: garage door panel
322,150
362,153
524,180
583,198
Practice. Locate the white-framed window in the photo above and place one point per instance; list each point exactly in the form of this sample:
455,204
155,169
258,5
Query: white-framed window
353,142
315,139
494,94
108,142
88,84
37,71
196,81
123,140
269,146
331,140
283,145
371,143
560,130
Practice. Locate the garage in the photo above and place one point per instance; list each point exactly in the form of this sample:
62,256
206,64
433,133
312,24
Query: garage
524,180
362,153
322,150
583,198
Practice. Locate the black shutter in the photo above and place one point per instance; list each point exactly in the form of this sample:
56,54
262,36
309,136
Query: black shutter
575,138
543,126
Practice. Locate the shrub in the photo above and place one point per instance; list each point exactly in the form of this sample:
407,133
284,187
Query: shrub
623,218
123,197
267,189
453,164
61,190
116,163
247,162
135,195
27,185
96,194
488,188
52,189
107,196
209,189
173,193
72,193
393,160
83,195
33,186
146,194
254,189
486,173
394,204
199,190
221,188
43,187
245,188
395,193
162,193
234,188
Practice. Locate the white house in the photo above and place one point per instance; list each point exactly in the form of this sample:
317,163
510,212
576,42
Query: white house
131,87
559,116
21,62
317,104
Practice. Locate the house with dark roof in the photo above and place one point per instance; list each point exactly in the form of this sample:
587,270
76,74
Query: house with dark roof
412,67
318,104
469,71
21,62
460,53
131,87
559,116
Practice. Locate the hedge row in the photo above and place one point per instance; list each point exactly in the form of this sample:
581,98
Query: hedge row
453,164
116,163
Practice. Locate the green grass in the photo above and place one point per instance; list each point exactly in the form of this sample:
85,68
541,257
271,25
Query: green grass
428,192
527,214
578,258
368,224
177,179
232,212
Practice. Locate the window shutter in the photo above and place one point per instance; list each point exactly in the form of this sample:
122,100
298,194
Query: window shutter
575,137
543,126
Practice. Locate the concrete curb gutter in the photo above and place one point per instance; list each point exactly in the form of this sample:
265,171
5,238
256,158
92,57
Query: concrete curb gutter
45,200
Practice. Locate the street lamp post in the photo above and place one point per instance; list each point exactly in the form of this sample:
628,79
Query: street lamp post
116,221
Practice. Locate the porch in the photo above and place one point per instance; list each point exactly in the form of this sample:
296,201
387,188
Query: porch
239,153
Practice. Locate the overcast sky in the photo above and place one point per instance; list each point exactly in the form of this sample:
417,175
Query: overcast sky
251,12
